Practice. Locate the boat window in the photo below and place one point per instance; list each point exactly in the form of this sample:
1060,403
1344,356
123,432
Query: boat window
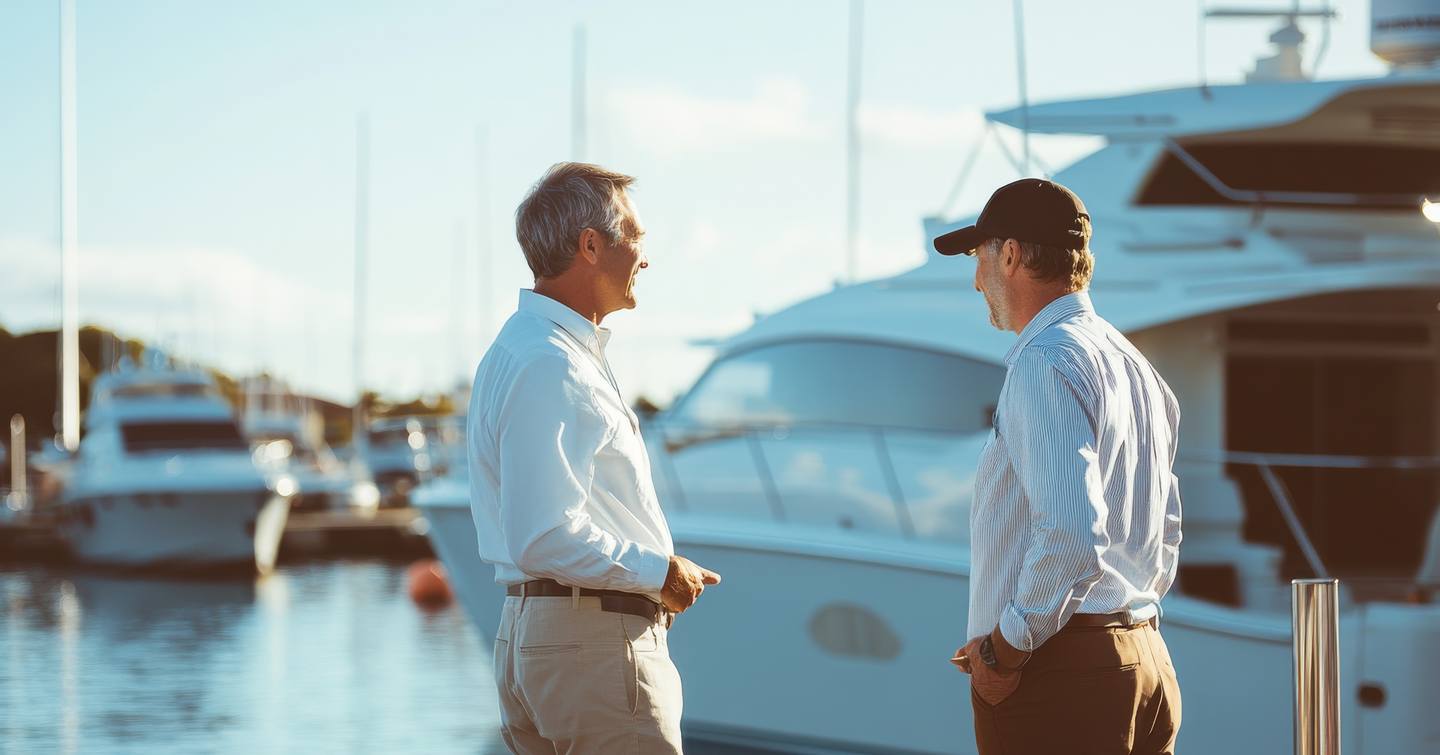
835,382
182,436
164,390
1381,170
397,437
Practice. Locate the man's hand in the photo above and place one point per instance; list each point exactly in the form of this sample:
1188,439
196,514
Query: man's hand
684,583
993,685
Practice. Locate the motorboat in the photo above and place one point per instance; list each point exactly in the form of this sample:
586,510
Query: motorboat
397,453
288,438
164,479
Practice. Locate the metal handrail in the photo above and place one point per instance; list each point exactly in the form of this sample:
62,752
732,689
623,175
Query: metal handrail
1252,197
1265,464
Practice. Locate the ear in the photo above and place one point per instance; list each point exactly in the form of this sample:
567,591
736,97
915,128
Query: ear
590,243
1009,258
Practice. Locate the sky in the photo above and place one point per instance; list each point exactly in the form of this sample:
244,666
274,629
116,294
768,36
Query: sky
217,158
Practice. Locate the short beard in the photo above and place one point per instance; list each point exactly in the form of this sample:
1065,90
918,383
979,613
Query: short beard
998,302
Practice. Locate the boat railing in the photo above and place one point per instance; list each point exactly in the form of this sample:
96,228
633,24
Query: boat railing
1259,199
754,447
1267,464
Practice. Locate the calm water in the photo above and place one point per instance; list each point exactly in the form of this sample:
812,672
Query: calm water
325,657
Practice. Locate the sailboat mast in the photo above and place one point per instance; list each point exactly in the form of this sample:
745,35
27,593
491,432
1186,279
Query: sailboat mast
482,230
362,250
852,142
69,238
577,96
457,298
1024,88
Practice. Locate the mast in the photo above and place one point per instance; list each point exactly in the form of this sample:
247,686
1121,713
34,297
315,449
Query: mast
482,231
457,296
577,96
362,250
69,238
852,141
1024,88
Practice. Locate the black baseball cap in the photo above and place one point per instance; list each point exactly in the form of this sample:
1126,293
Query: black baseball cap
1031,209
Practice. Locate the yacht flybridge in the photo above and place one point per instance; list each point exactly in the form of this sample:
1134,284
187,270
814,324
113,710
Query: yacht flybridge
1270,247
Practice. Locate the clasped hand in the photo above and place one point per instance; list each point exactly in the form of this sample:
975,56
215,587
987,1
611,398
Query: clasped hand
684,583
991,684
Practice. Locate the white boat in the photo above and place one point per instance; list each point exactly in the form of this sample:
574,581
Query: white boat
1269,247
397,454
289,439
164,479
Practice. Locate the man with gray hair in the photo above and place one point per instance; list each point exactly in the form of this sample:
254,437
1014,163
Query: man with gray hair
561,493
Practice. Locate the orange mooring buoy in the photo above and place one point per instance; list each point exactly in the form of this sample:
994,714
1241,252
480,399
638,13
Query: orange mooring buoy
428,586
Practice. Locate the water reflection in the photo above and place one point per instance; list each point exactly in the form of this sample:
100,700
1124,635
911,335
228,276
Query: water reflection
318,657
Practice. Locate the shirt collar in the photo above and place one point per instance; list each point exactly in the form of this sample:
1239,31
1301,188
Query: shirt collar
588,333
1062,308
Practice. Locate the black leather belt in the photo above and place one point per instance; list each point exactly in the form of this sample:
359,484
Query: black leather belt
613,601
1098,620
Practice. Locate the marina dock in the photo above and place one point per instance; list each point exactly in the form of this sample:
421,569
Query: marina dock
398,532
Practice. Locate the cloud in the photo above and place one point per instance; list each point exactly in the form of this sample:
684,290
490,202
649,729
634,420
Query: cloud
919,128
136,287
670,120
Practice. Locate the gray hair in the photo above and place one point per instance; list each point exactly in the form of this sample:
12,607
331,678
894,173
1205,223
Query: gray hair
1049,264
569,198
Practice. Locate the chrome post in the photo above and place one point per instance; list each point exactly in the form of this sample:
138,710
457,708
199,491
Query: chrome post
1315,627
19,494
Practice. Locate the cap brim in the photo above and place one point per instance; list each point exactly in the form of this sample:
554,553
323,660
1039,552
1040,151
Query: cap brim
963,241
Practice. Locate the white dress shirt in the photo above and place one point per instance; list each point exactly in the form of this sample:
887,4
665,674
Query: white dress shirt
1076,506
560,481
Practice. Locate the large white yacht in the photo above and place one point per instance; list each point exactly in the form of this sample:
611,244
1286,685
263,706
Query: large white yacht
1270,247
164,479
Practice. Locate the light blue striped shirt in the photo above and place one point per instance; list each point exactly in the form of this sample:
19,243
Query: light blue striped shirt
1077,507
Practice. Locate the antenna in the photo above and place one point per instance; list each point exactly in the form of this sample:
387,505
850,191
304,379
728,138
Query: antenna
1285,64
852,141
69,238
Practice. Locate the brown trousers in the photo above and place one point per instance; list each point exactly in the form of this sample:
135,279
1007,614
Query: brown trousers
1088,691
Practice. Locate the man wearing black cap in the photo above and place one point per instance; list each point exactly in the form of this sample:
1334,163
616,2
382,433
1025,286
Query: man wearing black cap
1075,523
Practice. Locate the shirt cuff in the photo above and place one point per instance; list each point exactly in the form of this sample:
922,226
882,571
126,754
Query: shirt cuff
651,570
1014,629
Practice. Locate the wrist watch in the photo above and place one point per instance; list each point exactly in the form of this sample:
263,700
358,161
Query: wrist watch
987,653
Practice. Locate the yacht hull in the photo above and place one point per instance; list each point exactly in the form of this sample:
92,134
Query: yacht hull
219,529
819,641
452,534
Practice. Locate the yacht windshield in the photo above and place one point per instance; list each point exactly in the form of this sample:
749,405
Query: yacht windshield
833,382
182,436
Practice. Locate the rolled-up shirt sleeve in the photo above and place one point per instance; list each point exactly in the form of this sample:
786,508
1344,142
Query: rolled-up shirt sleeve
549,434
1170,543
1051,434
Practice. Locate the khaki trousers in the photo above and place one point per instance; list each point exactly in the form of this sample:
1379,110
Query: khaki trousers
1088,691
574,679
